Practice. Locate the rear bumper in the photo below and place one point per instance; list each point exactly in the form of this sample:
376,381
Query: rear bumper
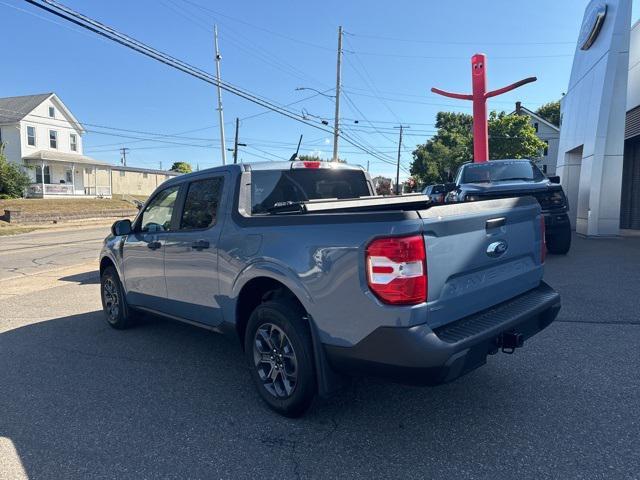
420,355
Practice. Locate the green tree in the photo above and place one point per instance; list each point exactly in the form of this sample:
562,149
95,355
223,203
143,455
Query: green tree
438,158
316,158
512,136
550,112
181,167
13,181
310,158
436,161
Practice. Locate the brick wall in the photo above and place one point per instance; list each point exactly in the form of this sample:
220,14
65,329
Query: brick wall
18,216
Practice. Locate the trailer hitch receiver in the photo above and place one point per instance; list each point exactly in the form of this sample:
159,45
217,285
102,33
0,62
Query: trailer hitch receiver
509,341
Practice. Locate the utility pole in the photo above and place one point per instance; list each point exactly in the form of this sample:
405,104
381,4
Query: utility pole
336,122
367,165
220,113
401,127
235,143
160,162
123,156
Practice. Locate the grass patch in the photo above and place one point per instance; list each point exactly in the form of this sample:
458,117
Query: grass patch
64,205
8,229
140,198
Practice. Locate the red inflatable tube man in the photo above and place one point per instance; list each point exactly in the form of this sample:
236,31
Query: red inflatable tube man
479,98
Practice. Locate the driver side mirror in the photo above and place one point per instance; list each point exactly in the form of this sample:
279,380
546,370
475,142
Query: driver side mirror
554,179
121,227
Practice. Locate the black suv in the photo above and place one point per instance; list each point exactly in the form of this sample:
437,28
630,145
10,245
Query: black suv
516,178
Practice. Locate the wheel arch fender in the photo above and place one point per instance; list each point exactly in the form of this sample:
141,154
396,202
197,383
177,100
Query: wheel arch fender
276,274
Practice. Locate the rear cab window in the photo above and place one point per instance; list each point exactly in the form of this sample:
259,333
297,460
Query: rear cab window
270,188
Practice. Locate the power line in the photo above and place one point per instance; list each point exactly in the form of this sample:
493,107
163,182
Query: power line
258,27
446,42
369,81
85,22
453,57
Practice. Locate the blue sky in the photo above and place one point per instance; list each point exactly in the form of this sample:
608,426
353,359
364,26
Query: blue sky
395,51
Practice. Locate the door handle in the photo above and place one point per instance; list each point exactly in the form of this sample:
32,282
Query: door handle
200,245
154,245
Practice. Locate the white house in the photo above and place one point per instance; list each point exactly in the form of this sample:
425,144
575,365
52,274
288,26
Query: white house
40,133
548,133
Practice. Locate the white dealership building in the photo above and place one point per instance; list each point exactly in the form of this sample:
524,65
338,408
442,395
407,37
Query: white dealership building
599,148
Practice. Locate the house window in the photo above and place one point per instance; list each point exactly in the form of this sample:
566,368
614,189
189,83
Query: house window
546,148
53,139
88,170
69,176
535,126
544,169
31,136
122,173
47,174
145,175
52,112
73,142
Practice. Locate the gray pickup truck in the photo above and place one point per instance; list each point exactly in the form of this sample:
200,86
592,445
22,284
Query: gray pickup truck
321,279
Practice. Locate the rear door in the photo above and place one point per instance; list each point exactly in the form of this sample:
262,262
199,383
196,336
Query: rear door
480,254
143,251
191,252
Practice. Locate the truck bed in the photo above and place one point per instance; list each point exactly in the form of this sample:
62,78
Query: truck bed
363,204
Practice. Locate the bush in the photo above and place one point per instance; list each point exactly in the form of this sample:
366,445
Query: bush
13,181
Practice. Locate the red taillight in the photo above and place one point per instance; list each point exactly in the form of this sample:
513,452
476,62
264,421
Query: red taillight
396,269
543,241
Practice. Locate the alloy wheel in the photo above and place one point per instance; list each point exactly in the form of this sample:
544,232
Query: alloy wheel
275,360
111,298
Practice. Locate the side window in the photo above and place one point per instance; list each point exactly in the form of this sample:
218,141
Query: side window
201,204
157,216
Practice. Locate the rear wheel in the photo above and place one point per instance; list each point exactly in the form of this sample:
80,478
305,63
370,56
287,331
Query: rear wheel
279,352
114,303
559,241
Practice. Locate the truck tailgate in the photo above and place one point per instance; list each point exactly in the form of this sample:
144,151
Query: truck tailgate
480,254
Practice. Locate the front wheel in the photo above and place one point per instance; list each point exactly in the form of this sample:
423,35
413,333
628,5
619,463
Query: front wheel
279,352
559,241
114,303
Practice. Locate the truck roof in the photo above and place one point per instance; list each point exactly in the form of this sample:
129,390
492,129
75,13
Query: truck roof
252,166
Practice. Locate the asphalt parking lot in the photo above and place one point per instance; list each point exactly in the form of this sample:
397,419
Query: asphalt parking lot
166,400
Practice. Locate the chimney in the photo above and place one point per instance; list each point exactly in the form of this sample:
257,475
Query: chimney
518,108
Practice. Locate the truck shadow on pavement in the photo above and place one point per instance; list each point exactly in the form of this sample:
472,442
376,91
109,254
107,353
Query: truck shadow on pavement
81,400
84,278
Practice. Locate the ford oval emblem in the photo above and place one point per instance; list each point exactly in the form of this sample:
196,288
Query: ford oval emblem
497,249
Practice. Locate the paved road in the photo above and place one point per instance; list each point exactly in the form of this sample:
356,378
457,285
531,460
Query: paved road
43,250
79,400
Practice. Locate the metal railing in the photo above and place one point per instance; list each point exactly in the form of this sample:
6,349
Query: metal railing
35,189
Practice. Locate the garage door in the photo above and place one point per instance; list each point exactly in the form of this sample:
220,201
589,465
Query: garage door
630,205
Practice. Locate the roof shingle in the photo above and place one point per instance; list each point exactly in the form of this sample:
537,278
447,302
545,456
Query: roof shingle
14,109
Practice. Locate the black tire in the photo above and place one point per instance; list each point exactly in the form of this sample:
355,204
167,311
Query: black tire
285,376
114,304
559,241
